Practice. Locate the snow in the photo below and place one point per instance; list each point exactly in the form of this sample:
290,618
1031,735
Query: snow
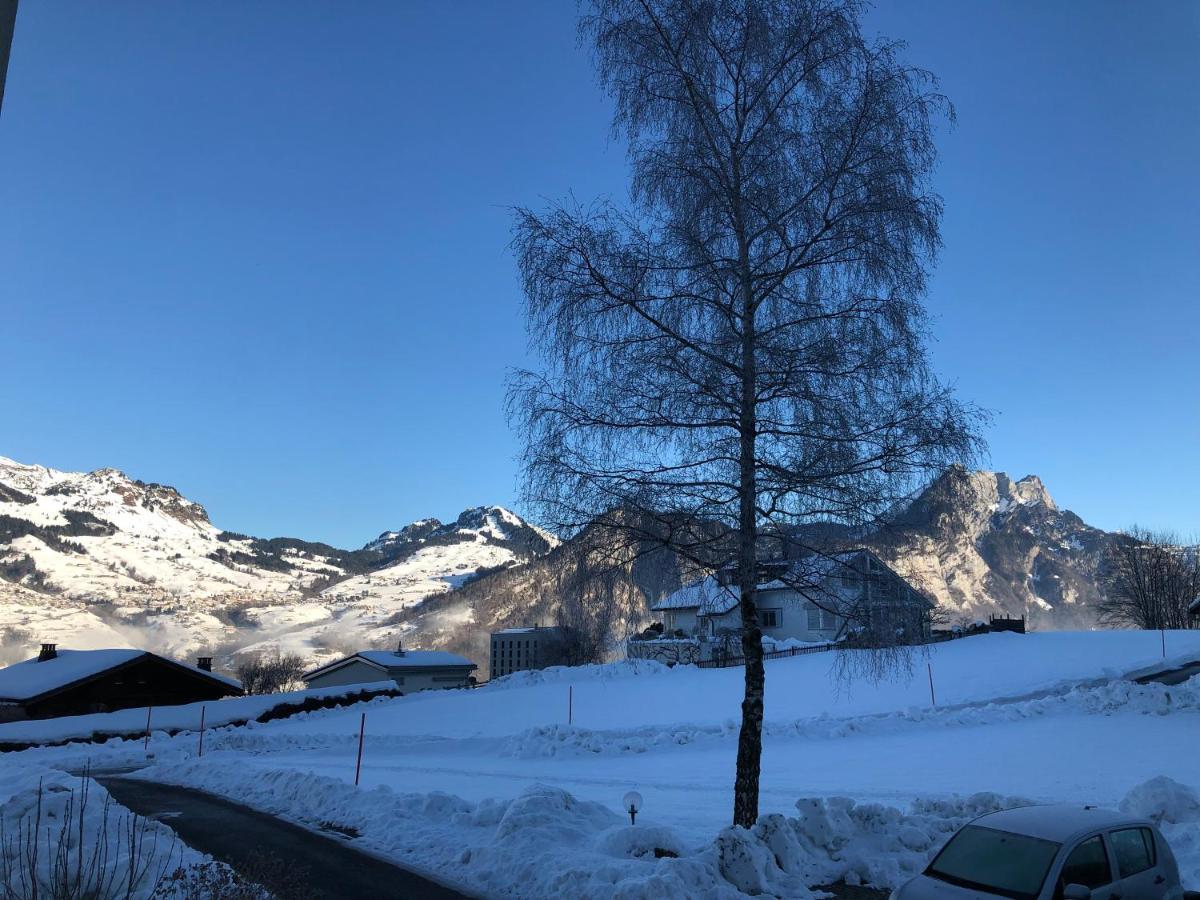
185,717
494,789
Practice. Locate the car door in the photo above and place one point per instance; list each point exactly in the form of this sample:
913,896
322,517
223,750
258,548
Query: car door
1139,874
1088,864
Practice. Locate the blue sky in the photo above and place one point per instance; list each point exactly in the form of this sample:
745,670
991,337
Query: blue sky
259,251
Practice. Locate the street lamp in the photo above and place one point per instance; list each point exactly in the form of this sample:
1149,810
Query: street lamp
632,804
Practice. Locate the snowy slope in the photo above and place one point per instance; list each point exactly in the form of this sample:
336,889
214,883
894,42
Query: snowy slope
492,786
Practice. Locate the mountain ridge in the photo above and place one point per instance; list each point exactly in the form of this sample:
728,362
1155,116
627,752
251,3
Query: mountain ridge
100,556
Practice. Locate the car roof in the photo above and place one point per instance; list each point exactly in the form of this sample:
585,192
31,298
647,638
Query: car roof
1058,823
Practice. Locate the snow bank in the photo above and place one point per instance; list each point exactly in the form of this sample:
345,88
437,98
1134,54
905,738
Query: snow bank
169,718
1104,699
547,843
625,668
1175,808
58,828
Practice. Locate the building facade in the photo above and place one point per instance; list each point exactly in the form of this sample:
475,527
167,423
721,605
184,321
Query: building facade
520,649
817,599
410,670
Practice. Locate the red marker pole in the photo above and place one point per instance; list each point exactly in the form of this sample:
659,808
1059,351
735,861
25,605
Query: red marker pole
570,704
932,697
362,727
146,746
201,731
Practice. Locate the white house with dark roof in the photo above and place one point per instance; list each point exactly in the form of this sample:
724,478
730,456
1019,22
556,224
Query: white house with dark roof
809,600
411,670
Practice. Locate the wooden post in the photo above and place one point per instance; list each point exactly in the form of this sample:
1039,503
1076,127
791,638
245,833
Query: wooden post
201,753
1163,632
570,704
147,744
932,696
362,727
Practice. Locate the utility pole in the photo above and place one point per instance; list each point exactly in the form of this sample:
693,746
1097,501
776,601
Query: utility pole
8,21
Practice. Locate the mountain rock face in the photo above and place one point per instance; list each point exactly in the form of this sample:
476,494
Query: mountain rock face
981,543
99,559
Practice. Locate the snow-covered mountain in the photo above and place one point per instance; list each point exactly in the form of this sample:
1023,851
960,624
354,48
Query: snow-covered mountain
101,559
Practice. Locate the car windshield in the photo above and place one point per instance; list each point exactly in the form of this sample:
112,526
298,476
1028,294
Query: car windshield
1011,865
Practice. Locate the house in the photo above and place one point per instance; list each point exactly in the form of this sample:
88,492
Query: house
818,598
411,670
76,682
518,649
1194,610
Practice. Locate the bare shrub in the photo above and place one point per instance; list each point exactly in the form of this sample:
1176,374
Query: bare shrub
271,674
61,851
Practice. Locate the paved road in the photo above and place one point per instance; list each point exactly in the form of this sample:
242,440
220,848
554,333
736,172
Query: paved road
1172,676
243,837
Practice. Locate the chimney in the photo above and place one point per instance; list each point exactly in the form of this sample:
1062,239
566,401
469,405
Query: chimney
399,648
204,663
49,651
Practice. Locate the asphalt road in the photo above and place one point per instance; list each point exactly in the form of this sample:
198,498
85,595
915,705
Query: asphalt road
1172,676
328,867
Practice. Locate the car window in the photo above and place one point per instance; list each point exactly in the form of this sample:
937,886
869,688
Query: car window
1087,865
1134,849
1000,862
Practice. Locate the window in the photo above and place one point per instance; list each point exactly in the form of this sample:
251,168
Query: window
828,620
1134,848
770,618
1087,865
814,619
1012,865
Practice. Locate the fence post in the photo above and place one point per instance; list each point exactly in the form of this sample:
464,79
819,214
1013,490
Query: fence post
201,753
1163,632
362,727
146,746
932,696
570,704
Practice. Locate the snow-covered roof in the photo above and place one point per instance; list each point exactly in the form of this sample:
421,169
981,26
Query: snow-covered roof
706,595
1195,607
529,629
389,661
34,677
413,658
710,597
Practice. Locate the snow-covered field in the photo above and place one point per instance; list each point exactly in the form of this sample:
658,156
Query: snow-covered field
494,789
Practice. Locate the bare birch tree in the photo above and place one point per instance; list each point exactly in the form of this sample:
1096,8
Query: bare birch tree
1152,578
742,345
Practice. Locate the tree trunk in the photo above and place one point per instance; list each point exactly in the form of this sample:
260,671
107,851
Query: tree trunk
749,756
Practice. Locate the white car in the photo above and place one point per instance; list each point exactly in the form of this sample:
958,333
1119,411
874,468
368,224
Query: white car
1051,853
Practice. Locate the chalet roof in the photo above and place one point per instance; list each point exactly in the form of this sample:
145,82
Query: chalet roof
33,678
709,597
390,661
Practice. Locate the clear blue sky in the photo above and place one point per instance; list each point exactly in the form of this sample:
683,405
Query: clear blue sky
259,250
